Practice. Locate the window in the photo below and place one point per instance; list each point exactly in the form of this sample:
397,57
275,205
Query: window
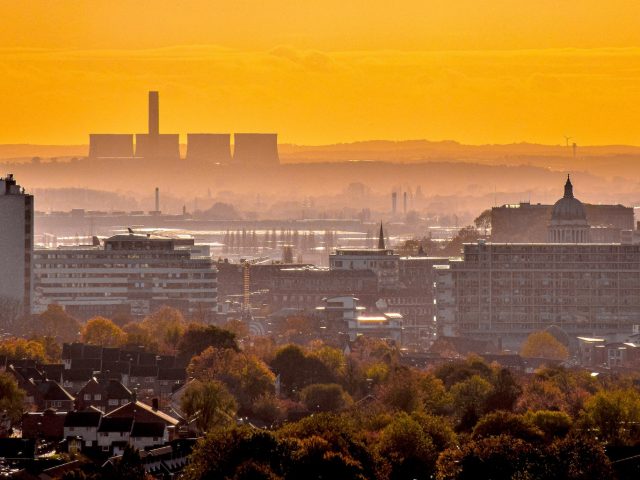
87,396
97,396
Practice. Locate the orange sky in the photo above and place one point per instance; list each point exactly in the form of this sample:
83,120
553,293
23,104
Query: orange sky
477,71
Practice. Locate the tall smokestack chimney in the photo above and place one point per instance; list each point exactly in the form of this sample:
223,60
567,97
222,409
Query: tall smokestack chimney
394,202
157,199
405,203
154,113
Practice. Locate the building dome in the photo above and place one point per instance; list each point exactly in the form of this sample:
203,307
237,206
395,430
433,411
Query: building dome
569,219
568,207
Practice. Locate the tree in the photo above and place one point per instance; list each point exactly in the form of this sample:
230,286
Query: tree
166,325
469,399
10,312
208,403
297,370
505,392
246,376
20,348
102,331
615,415
507,423
139,335
325,397
197,338
409,449
128,466
552,424
402,390
11,397
495,458
543,345
57,323
221,454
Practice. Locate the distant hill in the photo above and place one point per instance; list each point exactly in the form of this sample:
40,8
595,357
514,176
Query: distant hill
380,150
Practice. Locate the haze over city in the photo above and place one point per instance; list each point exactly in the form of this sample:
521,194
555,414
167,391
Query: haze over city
349,240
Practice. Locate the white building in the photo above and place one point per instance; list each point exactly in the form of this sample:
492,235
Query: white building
345,312
16,246
382,261
134,274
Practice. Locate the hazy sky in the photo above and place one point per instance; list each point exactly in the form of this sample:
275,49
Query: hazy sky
477,71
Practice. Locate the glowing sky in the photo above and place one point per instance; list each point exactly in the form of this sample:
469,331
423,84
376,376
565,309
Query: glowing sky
477,71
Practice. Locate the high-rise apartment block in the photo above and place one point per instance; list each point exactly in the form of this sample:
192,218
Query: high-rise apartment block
16,244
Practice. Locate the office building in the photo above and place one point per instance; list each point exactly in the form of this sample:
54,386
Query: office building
131,274
511,290
16,247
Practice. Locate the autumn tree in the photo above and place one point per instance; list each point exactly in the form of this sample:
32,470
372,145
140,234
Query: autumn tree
57,323
246,376
11,397
166,326
325,397
21,349
209,403
297,369
102,331
507,423
197,338
543,345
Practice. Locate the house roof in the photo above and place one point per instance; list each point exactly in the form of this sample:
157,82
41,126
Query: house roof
77,375
172,374
119,424
131,407
116,389
84,418
144,371
52,391
148,429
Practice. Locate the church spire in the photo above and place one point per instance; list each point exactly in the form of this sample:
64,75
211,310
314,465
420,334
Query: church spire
381,239
568,188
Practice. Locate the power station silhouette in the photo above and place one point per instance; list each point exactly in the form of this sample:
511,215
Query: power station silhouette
259,149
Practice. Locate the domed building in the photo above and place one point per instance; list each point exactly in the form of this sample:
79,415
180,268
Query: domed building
569,219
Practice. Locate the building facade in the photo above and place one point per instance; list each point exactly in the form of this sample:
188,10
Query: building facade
511,290
132,274
16,246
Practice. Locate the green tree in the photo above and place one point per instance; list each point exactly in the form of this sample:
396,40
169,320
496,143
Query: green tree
209,403
552,424
102,331
469,399
11,397
543,345
409,449
615,415
325,397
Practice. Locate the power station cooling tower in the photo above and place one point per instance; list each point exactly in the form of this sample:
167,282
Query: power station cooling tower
256,149
110,145
165,145
214,147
